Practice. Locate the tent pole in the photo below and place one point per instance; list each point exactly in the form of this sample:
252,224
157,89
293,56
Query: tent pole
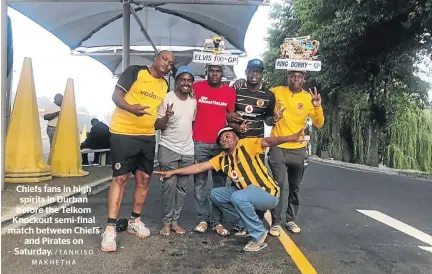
143,30
126,34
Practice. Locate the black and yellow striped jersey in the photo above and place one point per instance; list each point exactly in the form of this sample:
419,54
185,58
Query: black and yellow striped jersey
245,167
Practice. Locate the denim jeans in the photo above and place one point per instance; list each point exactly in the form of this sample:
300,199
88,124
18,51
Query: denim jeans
242,204
204,152
50,132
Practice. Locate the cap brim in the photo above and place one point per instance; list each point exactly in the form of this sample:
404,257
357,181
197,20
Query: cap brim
257,67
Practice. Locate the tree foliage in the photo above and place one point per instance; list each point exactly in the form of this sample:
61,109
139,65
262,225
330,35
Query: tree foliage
373,99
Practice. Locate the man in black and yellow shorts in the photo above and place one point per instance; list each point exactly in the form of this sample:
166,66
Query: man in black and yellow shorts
290,158
138,94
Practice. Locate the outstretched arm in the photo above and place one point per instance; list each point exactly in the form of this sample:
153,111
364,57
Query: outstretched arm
189,170
275,141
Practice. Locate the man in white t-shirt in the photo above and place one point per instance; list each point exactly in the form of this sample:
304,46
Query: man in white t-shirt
51,115
176,146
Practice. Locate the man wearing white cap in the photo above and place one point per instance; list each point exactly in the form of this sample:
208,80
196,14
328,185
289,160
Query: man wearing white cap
176,146
252,187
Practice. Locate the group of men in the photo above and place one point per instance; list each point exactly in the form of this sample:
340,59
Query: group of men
205,126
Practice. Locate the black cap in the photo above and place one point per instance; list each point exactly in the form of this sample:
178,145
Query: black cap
255,63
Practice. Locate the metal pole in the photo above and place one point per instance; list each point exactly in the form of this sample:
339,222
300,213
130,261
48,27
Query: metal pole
126,34
143,30
3,87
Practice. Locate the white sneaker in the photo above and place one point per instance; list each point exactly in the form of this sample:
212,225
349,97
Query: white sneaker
138,228
109,239
293,227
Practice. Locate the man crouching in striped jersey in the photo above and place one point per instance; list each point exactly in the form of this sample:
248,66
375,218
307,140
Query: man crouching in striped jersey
252,187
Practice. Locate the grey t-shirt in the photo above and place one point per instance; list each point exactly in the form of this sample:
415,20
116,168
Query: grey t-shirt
178,133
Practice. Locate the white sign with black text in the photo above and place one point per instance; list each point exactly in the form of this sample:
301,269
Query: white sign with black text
210,58
300,65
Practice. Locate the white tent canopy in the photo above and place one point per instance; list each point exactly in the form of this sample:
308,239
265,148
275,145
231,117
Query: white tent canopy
178,23
112,59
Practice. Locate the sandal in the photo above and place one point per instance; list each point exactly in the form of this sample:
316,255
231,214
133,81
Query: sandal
256,245
242,233
178,229
201,227
164,232
222,231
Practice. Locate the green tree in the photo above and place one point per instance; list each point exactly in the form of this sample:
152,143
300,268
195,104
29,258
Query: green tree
369,51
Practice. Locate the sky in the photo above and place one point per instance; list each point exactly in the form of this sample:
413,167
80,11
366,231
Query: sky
93,82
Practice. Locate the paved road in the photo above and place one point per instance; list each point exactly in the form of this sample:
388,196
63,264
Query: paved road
335,238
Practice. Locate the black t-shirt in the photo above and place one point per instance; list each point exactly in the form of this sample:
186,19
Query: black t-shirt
255,107
99,134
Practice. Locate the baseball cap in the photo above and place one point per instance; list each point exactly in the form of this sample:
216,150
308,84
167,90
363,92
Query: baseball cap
184,69
255,63
299,71
214,65
222,131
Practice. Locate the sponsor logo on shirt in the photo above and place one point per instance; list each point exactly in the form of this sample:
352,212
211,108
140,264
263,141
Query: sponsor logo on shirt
234,174
205,100
242,113
151,95
300,106
249,109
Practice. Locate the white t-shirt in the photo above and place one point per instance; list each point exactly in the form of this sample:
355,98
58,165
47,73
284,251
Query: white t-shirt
50,110
178,133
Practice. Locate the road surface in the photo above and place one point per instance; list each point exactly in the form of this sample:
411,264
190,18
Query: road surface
352,222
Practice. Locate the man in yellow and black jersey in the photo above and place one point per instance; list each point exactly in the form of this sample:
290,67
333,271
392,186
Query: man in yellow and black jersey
139,92
290,158
252,187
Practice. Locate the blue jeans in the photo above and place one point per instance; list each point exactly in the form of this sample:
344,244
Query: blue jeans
242,205
204,152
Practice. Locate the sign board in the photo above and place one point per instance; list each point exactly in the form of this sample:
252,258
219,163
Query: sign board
216,59
299,65
299,53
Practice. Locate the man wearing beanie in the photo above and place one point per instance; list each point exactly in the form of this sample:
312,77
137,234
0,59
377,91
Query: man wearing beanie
176,147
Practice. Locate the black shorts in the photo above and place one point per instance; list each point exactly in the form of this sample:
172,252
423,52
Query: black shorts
132,153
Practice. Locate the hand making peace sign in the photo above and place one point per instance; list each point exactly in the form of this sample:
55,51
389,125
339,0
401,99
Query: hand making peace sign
169,111
278,114
244,127
316,98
